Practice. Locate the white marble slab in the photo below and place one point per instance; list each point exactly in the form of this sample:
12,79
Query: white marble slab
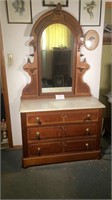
55,105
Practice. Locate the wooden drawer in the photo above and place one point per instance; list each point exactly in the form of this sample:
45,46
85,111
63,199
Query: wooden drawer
50,148
85,129
44,133
76,130
60,117
47,148
80,145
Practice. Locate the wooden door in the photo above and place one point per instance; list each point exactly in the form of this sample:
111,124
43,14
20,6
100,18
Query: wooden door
5,91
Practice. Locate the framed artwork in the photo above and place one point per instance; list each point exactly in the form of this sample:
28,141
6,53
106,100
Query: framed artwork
19,11
107,34
58,81
90,12
64,3
91,40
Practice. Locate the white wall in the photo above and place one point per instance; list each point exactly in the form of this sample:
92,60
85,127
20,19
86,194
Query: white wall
15,41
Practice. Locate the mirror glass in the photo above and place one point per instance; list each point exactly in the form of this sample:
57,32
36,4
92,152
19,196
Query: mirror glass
57,44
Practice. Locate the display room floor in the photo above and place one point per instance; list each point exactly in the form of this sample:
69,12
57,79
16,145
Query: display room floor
90,179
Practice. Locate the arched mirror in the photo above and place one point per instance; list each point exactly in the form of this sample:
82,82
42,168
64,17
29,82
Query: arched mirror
57,45
57,67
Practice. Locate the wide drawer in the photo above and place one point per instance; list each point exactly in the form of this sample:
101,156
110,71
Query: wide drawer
47,148
52,118
76,130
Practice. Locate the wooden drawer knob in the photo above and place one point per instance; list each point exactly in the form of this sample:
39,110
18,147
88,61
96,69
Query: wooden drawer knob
87,131
38,151
38,135
87,146
38,121
88,117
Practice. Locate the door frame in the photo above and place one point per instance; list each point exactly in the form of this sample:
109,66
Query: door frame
5,91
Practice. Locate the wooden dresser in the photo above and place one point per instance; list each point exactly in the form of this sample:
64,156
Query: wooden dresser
60,130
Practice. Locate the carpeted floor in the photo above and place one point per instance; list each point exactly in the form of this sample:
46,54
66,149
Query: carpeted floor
74,180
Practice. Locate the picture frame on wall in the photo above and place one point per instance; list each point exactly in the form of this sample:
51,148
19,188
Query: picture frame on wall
107,31
19,11
52,3
90,12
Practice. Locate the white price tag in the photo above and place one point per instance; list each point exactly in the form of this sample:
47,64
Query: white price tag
60,96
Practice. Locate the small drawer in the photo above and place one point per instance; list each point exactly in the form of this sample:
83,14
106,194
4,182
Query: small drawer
43,118
47,148
82,115
87,129
61,117
80,145
44,133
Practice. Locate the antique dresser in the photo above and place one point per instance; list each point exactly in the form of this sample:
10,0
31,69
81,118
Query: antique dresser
60,119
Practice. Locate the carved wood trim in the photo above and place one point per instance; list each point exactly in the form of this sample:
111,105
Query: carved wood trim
57,15
81,87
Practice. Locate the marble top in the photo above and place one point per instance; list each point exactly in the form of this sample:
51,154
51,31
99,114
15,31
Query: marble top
75,103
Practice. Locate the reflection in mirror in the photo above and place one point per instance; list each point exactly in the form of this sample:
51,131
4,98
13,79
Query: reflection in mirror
57,43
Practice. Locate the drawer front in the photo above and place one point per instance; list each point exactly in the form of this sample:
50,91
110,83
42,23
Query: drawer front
80,145
44,133
50,118
76,130
50,148
87,129
44,148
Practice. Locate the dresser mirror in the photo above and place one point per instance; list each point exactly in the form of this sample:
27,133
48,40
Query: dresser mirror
56,68
57,45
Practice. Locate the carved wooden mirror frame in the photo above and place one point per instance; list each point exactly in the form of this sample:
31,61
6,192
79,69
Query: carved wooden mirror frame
33,89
